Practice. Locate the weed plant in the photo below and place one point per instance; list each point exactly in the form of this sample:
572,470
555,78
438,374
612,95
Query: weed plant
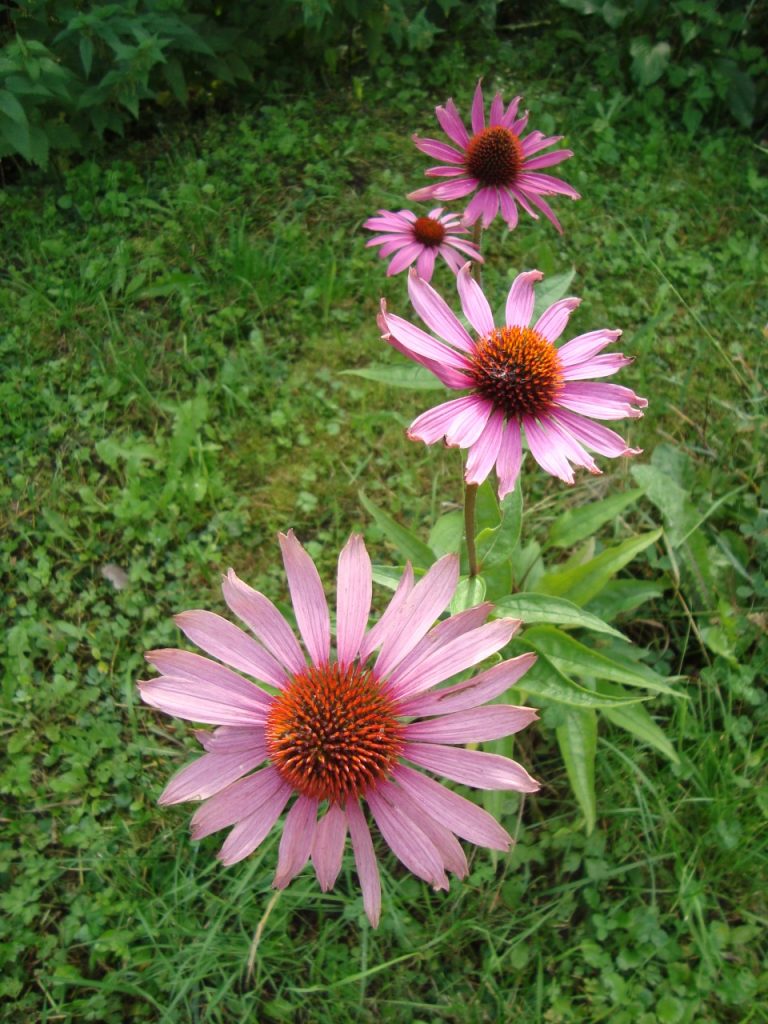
177,320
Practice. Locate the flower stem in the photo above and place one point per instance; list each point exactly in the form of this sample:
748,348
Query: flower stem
470,496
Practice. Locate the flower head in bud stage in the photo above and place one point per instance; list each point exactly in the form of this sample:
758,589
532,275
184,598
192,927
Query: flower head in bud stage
421,240
334,726
517,381
496,162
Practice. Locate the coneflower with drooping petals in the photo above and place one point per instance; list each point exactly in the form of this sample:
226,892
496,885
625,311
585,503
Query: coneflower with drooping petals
421,240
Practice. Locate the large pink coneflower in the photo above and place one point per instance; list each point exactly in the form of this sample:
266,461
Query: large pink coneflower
516,380
496,161
421,240
345,723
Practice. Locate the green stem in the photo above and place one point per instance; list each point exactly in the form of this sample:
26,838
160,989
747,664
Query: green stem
470,497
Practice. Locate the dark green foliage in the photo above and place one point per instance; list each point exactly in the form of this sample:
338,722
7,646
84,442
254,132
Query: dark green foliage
704,57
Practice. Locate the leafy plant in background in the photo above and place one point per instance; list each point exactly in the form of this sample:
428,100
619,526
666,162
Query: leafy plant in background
706,56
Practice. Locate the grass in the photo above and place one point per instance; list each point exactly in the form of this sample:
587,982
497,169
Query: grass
177,317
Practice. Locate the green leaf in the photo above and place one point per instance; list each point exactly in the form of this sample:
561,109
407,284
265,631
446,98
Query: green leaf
545,682
573,657
11,107
580,583
86,54
577,523
620,596
635,719
577,739
553,288
445,536
648,61
174,76
470,591
495,545
387,575
17,136
407,375
407,543
533,608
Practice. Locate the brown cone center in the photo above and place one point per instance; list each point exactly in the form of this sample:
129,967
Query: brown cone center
428,231
518,370
494,156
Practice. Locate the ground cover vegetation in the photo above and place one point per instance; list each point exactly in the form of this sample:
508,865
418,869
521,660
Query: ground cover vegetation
179,316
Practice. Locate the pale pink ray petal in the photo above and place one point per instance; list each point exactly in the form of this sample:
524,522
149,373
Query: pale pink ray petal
211,702
472,692
437,314
473,302
425,193
439,150
388,223
476,726
548,159
518,127
328,846
445,171
483,204
461,653
521,298
427,600
478,111
407,841
547,449
466,247
454,260
509,459
536,141
425,263
456,189
584,346
389,247
452,378
604,365
433,424
378,632
469,426
554,319
546,185
308,598
237,801
227,642
444,842
595,435
545,208
353,598
484,452
451,123
472,767
365,861
523,199
252,830
404,258
260,614
508,208
457,813
231,739
424,344
296,840
569,445
497,111
444,632
511,113
603,401
194,667
209,774
390,240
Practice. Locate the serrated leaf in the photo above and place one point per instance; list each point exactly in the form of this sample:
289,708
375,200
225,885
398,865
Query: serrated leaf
577,739
409,545
536,608
577,523
581,583
11,107
635,719
575,658
408,376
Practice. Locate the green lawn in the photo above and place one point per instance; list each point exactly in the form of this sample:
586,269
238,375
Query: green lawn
176,318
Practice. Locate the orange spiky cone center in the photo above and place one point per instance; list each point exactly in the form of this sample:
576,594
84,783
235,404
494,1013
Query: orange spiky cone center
518,370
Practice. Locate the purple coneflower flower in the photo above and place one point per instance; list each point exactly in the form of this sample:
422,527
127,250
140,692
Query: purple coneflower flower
495,161
517,380
342,724
421,239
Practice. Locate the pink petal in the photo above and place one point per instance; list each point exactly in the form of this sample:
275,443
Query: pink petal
404,258
427,600
468,426
476,726
472,692
439,150
456,189
407,841
252,830
423,344
537,141
584,346
511,112
521,298
485,204
197,669
509,459
466,247
472,767
258,612
547,449
229,739
211,773
435,423
377,634
425,264
308,598
497,110
545,208
569,445
554,319
353,599
445,171
474,302
445,631
451,123
546,185
227,642
484,452
328,846
211,702
443,841
604,365
523,199
457,813
508,208
365,861
595,435
437,314
548,159
296,840
237,801
603,401
478,110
